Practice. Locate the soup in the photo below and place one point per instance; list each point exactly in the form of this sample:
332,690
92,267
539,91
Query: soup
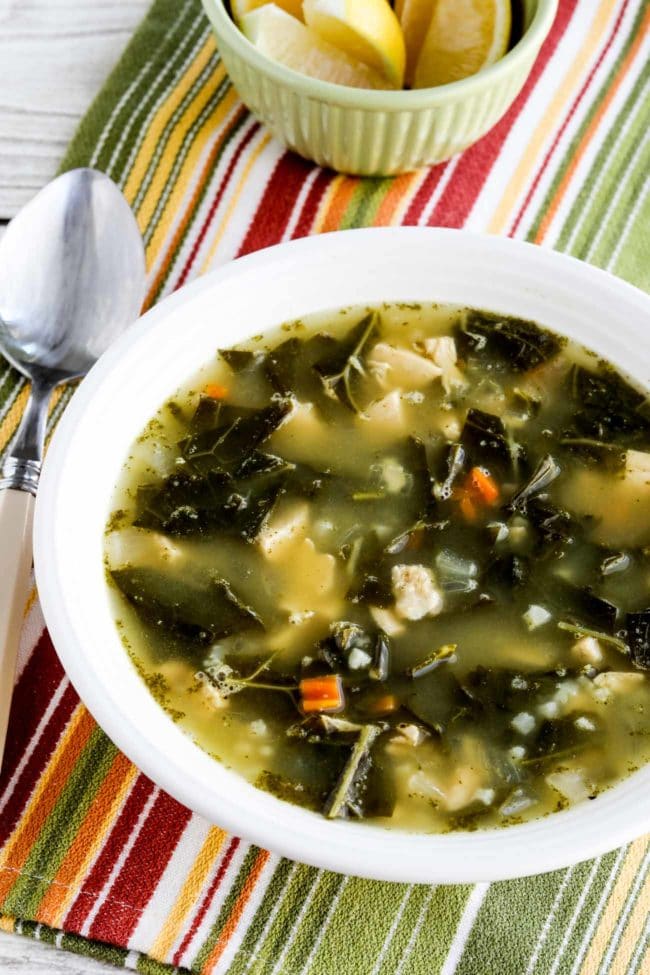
393,564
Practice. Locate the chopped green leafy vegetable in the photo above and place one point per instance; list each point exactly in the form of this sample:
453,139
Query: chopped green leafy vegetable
346,797
444,654
341,369
637,627
516,344
200,610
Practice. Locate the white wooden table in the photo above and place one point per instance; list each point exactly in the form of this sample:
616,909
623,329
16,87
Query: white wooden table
54,56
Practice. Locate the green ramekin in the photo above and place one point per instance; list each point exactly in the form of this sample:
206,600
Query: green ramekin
377,133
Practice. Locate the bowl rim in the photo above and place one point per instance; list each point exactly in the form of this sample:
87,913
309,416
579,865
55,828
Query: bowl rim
160,748
384,100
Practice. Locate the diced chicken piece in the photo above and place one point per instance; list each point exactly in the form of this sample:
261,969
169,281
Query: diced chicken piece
159,457
304,438
486,796
139,546
619,506
387,413
387,621
450,427
571,784
637,466
393,475
587,650
442,351
178,674
415,591
286,525
311,580
209,695
421,783
465,784
411,734
618,682
401,367
566,691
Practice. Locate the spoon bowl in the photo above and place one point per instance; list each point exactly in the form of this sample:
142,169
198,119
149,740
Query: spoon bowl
72,277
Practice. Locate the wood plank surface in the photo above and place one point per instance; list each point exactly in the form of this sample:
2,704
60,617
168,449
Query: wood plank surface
54,56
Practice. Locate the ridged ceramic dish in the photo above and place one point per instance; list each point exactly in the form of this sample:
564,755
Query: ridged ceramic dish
168,346
373,133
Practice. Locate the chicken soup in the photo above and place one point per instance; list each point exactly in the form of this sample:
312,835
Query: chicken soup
393,564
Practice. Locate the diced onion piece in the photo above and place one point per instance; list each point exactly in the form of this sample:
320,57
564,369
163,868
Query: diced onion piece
536,616
359,659
523,723
570,784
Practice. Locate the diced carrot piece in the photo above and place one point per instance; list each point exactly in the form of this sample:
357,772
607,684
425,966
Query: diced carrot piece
468,508
215,391
482,485
384,704
321,693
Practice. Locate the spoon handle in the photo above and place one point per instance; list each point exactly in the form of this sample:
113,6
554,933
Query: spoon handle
16,515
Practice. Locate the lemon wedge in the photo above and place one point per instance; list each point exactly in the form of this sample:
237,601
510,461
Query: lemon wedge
282,38
414,17
464,36
366,30
240,8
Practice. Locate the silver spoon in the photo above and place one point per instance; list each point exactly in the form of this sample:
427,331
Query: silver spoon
72,278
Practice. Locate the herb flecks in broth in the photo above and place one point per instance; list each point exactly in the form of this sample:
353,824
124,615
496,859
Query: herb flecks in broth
395,566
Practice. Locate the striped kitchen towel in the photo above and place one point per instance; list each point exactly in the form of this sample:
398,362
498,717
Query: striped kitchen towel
94,857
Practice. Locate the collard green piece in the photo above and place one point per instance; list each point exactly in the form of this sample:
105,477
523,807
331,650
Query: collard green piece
346,797
594,453
238,433
340,369
199,504
544,474
442,655
608,409
242,360
579,605
206,415
514,343
554,525
201,609
507,573
289,367
260,462
380,666
558,738
416,462
638,638
485,440
435,698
